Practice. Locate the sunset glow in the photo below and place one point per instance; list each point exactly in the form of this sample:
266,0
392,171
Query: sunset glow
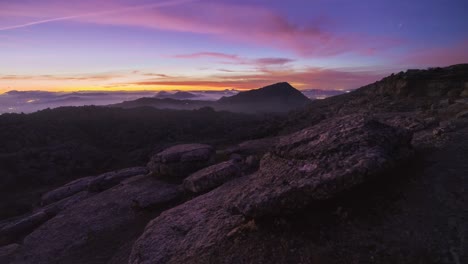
124,45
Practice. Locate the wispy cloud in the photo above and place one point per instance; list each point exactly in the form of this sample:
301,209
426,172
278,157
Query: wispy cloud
199,55
246,23
306,78
84,16
87,77
236,59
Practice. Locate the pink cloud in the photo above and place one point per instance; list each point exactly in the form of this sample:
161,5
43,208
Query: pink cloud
308,78
237,60
207,54
273,61
241,23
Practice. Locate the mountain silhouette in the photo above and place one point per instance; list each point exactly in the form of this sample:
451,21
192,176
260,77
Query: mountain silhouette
276,98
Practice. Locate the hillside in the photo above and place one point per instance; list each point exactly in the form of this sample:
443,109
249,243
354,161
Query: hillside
377,175
49,147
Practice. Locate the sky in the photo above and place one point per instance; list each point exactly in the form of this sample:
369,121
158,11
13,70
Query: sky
136,45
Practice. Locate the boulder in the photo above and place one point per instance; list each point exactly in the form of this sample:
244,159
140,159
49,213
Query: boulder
212,177
311,165
91,231
67,190
179,161
110,179
322,161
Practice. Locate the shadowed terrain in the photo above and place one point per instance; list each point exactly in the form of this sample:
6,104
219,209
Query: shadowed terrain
377,175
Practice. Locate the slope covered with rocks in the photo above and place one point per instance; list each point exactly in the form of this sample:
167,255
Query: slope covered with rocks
374,176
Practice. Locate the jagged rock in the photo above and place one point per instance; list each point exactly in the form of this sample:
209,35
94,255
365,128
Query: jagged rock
319,162
18,228
67,190
311,165
7,251
179,161
93,229
110,179
211,177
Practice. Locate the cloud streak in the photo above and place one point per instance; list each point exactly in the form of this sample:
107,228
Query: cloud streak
96,14
316,78
236,59
246,23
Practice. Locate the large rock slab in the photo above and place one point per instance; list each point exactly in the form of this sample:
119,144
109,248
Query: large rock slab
212,177
311,165
320,162
56,207
110,179
254,147
92,183
13,231
179,161
67,190
183,233
92,230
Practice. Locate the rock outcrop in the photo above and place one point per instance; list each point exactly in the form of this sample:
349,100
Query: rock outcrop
110,179
21,227
179,161
211,177
92,183
65,191
314,164
320,162
92,230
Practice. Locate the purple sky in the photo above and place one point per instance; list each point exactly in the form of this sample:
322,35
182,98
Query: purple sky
59,45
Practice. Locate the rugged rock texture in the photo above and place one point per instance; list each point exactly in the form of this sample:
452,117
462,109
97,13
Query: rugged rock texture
211,177
179,161
311,165
184,233
436,82
91,231
322,161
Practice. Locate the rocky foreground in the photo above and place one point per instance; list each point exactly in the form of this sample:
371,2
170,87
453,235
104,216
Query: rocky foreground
374,176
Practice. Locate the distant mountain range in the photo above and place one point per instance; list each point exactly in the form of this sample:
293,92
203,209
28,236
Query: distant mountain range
31,101
276,98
